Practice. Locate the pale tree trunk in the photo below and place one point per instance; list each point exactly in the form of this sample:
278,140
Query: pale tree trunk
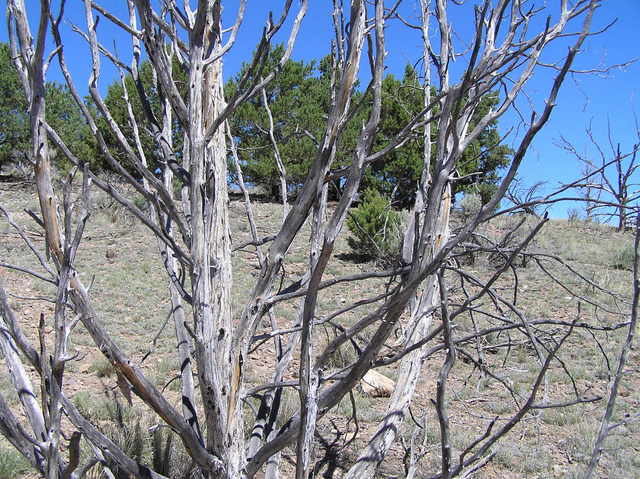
310,373
45,422
423,304
197,239
171,264
177,308
125,368
282,172
211,252
410,368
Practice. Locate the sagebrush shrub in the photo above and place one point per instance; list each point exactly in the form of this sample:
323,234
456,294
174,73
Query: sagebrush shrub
375,228
470,205
623,257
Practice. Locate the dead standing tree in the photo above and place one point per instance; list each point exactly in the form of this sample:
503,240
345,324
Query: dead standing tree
193,232
611,185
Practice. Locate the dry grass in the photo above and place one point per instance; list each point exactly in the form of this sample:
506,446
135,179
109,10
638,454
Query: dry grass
130,296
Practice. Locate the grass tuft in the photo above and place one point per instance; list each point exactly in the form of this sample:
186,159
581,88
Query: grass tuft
12,463
102,367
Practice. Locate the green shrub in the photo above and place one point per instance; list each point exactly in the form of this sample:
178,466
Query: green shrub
140,202
375,228
89,406
102,367
12,463
143,440
623,257
470,205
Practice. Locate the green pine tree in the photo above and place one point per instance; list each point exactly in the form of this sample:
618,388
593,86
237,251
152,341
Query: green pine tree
299,99
118,108
62,113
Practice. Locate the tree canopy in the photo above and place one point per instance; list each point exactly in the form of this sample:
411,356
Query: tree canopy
396,174
149,91
299,102
14,121
62,114
299,99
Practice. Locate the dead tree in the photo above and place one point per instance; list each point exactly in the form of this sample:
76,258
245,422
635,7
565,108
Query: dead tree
588,191
610,187
214,337
525,198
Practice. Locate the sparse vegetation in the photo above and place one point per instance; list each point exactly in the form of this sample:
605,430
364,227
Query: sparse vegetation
268,331
569,430
574,215
623,256
12,464
102,368
530,460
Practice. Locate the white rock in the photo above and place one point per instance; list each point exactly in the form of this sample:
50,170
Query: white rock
377,385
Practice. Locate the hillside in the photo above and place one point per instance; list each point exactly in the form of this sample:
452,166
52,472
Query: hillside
119,259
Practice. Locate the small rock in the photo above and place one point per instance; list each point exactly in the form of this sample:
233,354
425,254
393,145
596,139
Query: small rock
559,470
377,385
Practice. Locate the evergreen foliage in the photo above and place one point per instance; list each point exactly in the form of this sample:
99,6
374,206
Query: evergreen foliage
62,114
375,228
299,100
153,98
397,173
14,121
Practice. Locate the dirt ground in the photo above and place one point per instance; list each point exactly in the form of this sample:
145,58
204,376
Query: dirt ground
119,259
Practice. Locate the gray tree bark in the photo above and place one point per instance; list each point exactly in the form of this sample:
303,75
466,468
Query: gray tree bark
193,232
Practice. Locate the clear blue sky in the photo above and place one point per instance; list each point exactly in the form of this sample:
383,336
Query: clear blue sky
584,99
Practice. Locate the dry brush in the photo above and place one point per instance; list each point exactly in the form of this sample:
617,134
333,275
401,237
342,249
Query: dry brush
423,296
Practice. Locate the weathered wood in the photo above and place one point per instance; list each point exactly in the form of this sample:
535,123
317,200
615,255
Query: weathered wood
193,231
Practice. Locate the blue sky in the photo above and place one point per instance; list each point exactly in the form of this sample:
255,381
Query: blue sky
596,100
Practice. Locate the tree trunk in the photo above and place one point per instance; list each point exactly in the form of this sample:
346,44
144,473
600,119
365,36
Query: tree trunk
211,254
